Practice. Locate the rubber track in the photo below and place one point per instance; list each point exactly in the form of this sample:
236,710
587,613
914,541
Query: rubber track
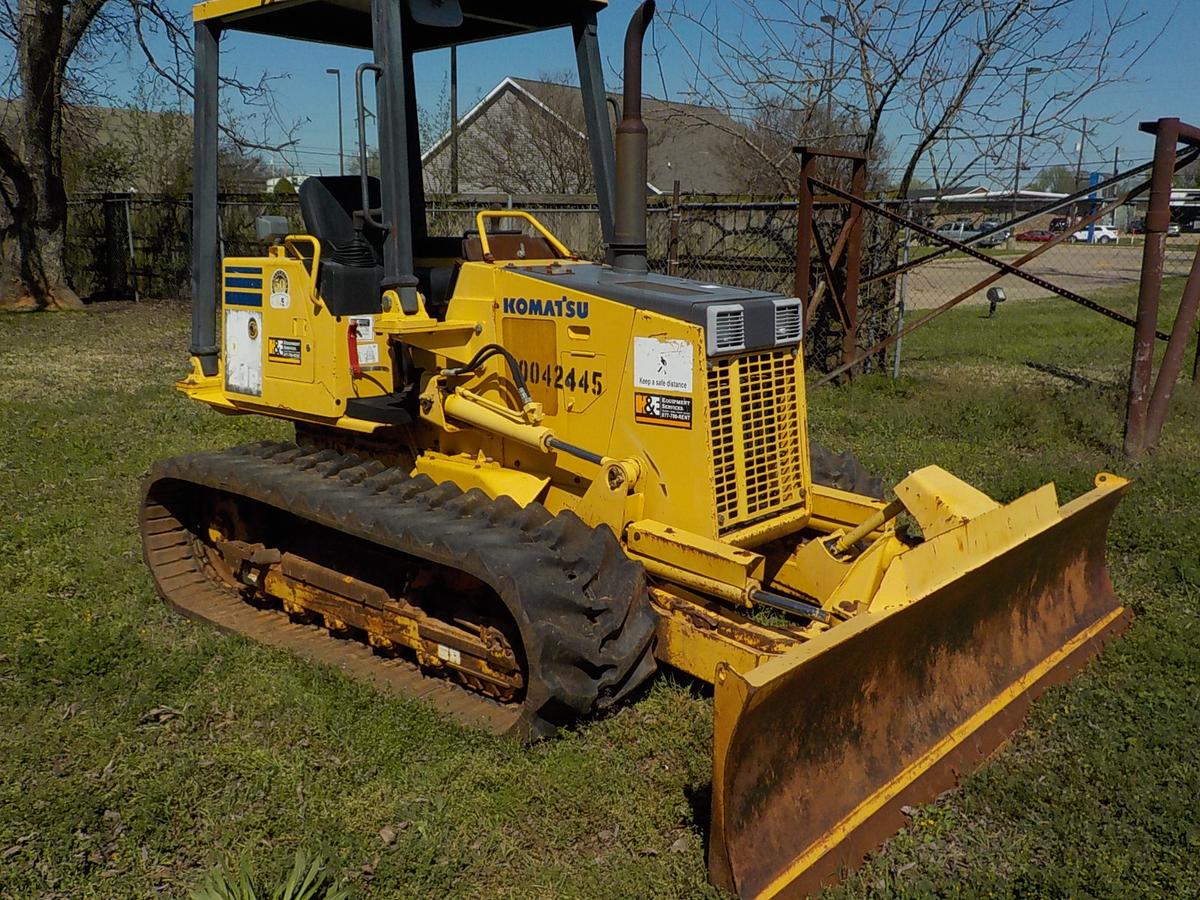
580,604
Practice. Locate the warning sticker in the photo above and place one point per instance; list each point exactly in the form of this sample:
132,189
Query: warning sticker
285,350
662,409
364,327
368,354
662,365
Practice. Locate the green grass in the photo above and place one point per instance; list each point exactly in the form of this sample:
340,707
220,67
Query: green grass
259,754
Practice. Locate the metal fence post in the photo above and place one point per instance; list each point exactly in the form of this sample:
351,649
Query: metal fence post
804,226
1196,363
116,274
673,234
903,299
132,258
1158,215
852,268
1168,369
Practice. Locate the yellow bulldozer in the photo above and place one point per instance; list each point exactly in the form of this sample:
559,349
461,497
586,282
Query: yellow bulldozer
522,480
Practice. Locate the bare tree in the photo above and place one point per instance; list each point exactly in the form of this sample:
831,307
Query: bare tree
61,50
944,76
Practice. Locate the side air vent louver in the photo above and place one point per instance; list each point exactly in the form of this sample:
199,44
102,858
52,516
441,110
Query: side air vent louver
788,322
726,329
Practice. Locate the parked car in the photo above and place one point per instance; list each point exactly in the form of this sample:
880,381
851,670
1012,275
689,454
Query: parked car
1059,224
1138,226
966,230
1039,235
1001,235
1103,234
960,230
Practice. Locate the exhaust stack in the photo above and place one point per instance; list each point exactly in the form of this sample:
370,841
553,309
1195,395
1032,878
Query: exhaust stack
629,232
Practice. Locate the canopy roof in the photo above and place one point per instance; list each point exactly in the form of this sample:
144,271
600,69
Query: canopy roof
348,22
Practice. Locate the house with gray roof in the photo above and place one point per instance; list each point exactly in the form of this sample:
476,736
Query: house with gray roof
528,136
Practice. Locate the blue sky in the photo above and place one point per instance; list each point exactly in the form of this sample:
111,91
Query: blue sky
1164,85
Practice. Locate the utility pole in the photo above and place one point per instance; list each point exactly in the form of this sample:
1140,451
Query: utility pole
337,73
1029,70
832,23
1079,161
1079,167
1112,216
453,119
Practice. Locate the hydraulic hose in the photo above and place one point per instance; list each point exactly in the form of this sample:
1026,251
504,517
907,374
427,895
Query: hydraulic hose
485,353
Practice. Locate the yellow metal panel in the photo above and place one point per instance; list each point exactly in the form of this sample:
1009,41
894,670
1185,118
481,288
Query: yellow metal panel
217,9
695,636
953,553
833,510
939,501
694,553
988,614
491,478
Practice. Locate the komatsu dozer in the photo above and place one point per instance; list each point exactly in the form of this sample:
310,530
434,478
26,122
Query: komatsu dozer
521,480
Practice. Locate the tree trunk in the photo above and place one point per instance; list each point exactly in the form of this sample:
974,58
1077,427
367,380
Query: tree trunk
33,248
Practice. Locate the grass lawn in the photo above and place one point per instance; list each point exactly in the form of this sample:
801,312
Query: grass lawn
138,750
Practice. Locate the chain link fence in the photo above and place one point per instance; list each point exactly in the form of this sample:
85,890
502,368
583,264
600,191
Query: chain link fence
124,246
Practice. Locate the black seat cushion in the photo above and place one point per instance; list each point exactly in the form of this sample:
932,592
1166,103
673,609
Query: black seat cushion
351,258
328,204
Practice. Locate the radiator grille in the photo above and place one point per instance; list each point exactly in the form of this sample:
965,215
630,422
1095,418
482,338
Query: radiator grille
756,435
788,325
730,335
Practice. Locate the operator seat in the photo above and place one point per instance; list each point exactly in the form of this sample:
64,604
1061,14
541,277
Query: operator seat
351,258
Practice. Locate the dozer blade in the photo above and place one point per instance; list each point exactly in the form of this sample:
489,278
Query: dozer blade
815,752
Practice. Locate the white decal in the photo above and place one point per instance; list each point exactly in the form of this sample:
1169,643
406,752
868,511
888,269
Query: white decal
662,365
449,654
364,327
243,351
281,297
368,354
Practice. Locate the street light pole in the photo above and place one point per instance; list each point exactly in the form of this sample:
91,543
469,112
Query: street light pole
1029,70
832,23
453,118
337,73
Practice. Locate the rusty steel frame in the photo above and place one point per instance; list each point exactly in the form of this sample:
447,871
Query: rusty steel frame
828,268
1147,402
849,242
1005,267
963,295
825,287
1012,223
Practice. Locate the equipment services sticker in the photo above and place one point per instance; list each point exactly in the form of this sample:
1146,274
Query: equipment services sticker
285,350
662,409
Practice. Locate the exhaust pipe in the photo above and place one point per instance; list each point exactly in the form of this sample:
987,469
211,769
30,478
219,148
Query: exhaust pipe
629,232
